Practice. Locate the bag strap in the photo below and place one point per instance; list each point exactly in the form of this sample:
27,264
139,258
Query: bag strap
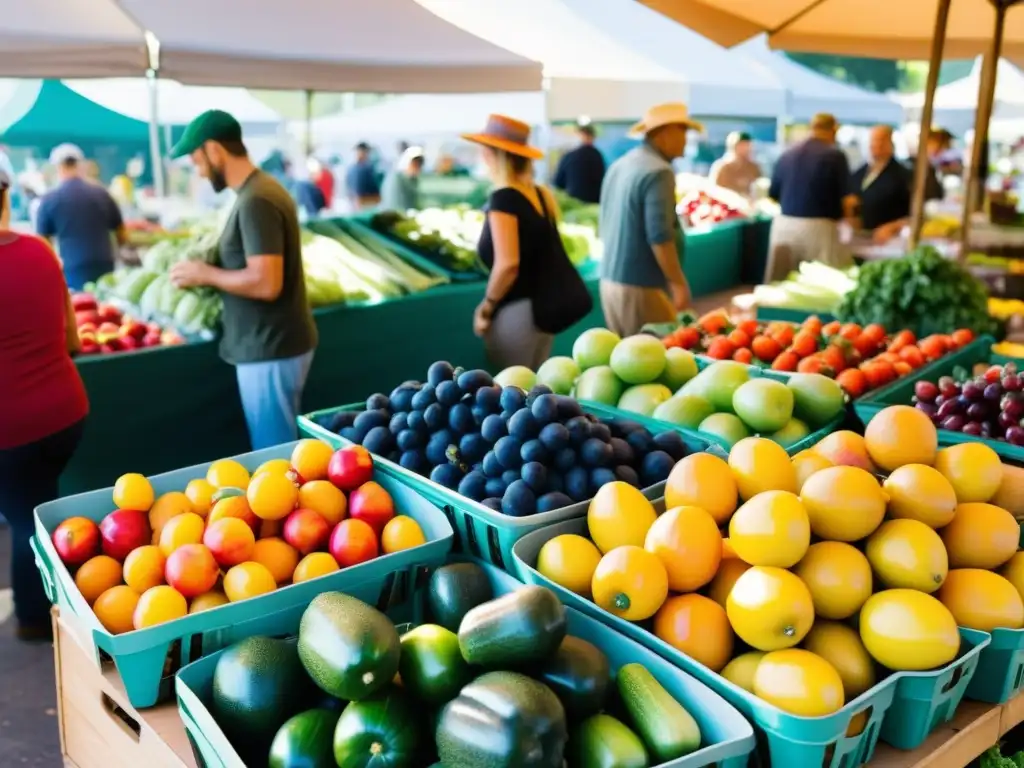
544,205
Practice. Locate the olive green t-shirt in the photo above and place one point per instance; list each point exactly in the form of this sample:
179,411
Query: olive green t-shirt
264,222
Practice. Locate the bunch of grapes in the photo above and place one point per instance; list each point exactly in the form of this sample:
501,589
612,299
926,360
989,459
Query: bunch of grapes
990,405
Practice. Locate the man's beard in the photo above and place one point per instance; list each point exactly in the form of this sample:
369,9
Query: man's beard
217,180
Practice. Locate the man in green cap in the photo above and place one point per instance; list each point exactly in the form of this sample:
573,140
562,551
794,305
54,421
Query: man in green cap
269,334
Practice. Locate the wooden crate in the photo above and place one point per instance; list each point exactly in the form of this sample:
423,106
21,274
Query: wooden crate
98,727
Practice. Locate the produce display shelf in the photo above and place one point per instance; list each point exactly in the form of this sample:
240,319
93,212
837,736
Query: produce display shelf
901,392
902,710
479,530
141,656
797,316
730,735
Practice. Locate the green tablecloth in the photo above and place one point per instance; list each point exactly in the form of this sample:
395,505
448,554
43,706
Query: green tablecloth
157,410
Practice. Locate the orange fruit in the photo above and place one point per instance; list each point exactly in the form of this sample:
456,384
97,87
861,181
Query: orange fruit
973,469
730,570
689,545
144,568
569,560
919,492
200,493
630,583
697,626
279,557
759,464
272,496
227,473
323,498
806,463
770,608
841,646
96,575
158,606
799,682
907,630
248,580
230,540
899,435
908,554
310,459
845,449
207,601
133,491
980,536
843,503
703,480
277,466
1014,572
314,565
114,609
772,528
982,600
191,570
181,530
233,506
838,576
728,553
400,533
168,506
740,671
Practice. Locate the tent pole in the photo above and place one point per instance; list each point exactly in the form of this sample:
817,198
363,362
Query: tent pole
973,194
156,155
921,165
308,134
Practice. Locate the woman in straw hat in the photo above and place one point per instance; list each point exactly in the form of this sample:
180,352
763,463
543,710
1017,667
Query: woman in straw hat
513,244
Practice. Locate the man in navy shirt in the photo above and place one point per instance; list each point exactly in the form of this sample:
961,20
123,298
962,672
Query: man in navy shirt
82,216
882,188
581,170
810,184
361,180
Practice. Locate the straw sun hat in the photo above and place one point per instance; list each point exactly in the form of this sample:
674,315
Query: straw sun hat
673,113
508,135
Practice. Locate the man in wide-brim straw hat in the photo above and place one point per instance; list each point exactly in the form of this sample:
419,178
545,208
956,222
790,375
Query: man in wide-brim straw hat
641,274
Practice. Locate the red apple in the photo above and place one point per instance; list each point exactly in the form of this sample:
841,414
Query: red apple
153,328
90,347
371,504
306,530
110,346
80,301
129,342
350,467
109,314
134,328
192,570
76,540
151,340
87,316
124,530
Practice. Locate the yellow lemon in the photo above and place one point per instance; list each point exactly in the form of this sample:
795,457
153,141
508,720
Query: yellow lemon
133,491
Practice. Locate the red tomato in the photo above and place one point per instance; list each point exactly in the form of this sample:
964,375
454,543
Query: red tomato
353,542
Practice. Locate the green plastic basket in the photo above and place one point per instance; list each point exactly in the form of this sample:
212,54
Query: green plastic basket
1000,674
141,656
480,531
901,392
904,708
772,314
730,735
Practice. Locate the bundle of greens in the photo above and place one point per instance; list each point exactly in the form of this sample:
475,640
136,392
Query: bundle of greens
922,292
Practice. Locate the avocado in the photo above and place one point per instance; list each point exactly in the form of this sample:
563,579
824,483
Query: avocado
521,628
432,668
305,741
580,676
454,590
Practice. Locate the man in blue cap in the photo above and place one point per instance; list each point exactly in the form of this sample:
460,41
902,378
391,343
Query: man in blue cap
269,334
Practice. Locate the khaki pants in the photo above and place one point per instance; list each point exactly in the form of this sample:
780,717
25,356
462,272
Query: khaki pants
628,308
794,240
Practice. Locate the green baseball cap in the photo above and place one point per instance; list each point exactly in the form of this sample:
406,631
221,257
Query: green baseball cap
212,125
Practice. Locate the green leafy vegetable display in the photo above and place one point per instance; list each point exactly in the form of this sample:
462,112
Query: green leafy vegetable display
994,758
922,292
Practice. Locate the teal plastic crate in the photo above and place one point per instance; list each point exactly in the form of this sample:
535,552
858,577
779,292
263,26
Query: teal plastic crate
141,656
728,737
480,531
772,314
901,392
1000,674
904,708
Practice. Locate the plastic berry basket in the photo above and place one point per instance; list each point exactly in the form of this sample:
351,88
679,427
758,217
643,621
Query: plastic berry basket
146,659
847,737
727,737
480,531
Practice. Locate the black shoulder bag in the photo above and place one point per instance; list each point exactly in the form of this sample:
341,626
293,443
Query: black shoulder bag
559,296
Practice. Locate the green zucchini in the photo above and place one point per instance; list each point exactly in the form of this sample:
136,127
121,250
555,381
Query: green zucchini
502,720
668,730
579,674
431,667
383,731
521,628
454,590
602,741
306,741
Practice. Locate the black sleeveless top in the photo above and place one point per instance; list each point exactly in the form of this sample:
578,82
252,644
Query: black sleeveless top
534,231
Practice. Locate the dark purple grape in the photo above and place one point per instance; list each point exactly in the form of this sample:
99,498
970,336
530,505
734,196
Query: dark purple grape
1006,421
926,391
949,408
948,387
973,391
998,431
972,428
1013,404
928,409
955,423
977,411
1012,382
940,400
993,391
1015,435
986,429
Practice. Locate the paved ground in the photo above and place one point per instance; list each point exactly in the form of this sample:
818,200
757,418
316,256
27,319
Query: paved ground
28,717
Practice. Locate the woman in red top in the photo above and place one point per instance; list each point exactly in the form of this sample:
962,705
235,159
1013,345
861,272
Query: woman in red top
42,401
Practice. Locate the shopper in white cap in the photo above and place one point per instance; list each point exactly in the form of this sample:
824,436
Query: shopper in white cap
82,216
401,188
642,277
